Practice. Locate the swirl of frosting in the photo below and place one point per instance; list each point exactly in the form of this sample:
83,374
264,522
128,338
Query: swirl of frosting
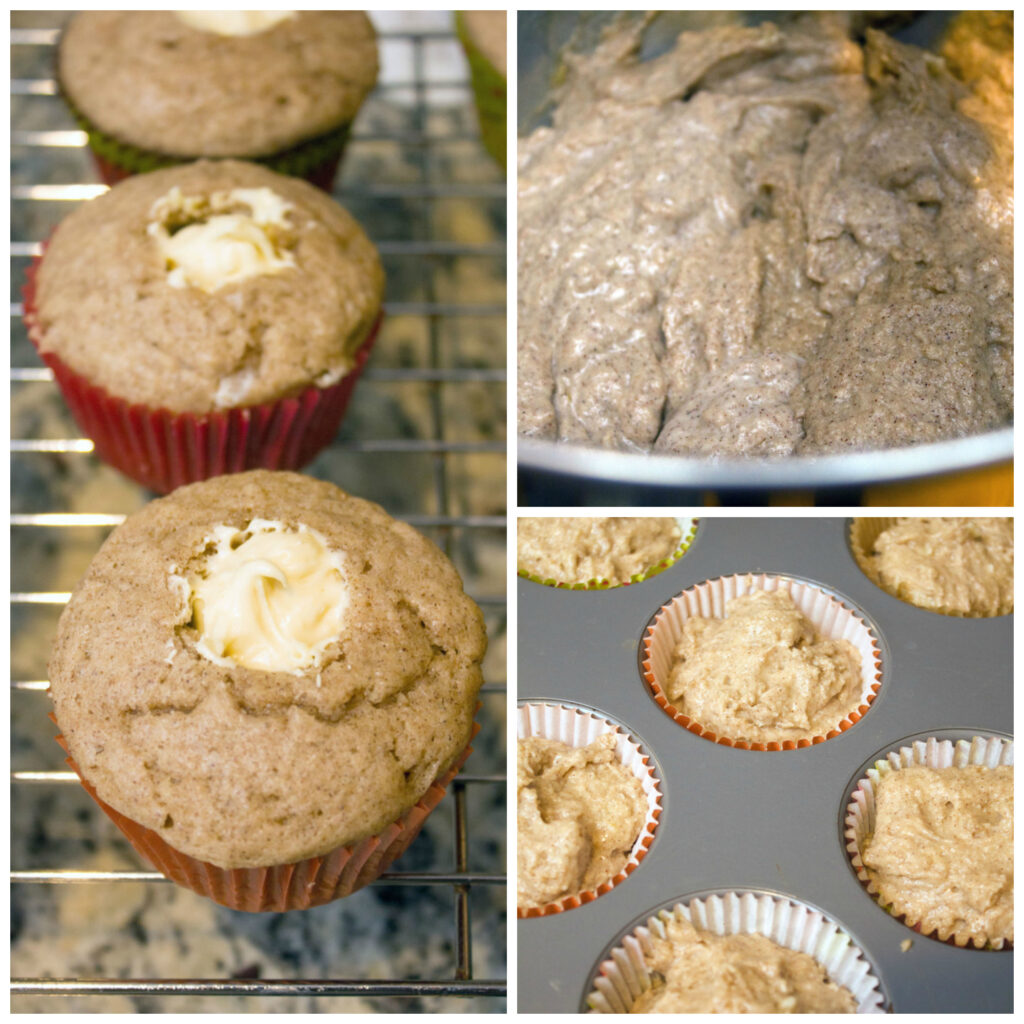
233,23
268,597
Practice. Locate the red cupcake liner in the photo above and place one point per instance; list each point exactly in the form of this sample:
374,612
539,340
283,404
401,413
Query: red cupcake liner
163,450
278,888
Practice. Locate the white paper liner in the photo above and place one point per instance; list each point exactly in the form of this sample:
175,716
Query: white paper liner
577,727
989,751
624,976
829,616
688,528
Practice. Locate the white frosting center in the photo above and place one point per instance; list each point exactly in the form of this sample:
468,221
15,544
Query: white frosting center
270,597
220,248
233,23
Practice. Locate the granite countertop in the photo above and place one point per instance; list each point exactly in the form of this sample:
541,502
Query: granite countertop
424,437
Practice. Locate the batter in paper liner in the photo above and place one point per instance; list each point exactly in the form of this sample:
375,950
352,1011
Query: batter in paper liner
580,811
942,849
579,549
763,674
699,972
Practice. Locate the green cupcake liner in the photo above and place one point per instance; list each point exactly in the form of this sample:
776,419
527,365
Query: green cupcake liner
489,91
689,531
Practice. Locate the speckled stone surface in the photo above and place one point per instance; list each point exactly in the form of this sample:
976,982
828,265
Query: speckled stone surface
415,173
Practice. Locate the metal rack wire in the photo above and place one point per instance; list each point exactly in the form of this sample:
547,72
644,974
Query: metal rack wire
451,374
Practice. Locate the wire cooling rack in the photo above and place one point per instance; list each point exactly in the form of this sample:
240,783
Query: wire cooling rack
424,437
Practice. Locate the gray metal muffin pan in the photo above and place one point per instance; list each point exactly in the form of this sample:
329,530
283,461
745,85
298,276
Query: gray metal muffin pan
770,820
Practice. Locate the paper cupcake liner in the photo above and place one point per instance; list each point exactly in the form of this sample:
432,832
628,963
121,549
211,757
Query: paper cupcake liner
578,727
863,533
829,616
316,159
489,92
687,526
624,976
278,888
933,752
163,450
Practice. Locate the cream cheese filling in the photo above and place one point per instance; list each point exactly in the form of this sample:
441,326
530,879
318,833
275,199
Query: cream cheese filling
233,23
268,597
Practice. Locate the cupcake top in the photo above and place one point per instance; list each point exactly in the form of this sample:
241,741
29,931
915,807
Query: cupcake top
700,972
949,565
580,811
581,549
763,673
487,31
942,849
262,668
218,83
208,286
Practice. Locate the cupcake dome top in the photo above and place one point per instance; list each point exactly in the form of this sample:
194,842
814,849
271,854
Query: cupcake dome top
188,87
207,286
246,767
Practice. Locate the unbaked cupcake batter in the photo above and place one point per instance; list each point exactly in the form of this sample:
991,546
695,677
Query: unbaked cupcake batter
763,673
766,242
580,549
954,566
942,849
708,973
580,811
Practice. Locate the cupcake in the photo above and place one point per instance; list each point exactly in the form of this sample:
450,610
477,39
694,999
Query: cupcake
155,88
588,803
761,662
598,552
736,953
482,34
930,834
207,318
267,684
954,566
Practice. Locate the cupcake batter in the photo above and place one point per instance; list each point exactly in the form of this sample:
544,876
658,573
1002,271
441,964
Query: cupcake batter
763,673
954,566
766,242
708,973
580,811
580,549
942,850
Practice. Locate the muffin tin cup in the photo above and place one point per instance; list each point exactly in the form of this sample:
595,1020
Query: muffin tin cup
489,94
622,975
933,752
826,612
688,528
277,888
578,726
163,450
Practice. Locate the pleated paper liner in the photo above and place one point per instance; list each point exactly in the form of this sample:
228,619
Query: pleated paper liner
622,976
316,160
934,752
489,93
277,888
577,726
689,530
863,532
163,450
829,616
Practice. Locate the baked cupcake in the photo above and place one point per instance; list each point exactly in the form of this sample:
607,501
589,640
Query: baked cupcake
155,88
483,38
930,834
267,683
597,552
207,318
950,565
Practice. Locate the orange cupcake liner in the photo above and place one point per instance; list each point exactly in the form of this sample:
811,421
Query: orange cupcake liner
163,450
282,887
577,727
859,817
828,614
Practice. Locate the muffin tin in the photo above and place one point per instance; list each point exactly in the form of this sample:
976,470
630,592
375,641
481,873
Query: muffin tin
768,821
